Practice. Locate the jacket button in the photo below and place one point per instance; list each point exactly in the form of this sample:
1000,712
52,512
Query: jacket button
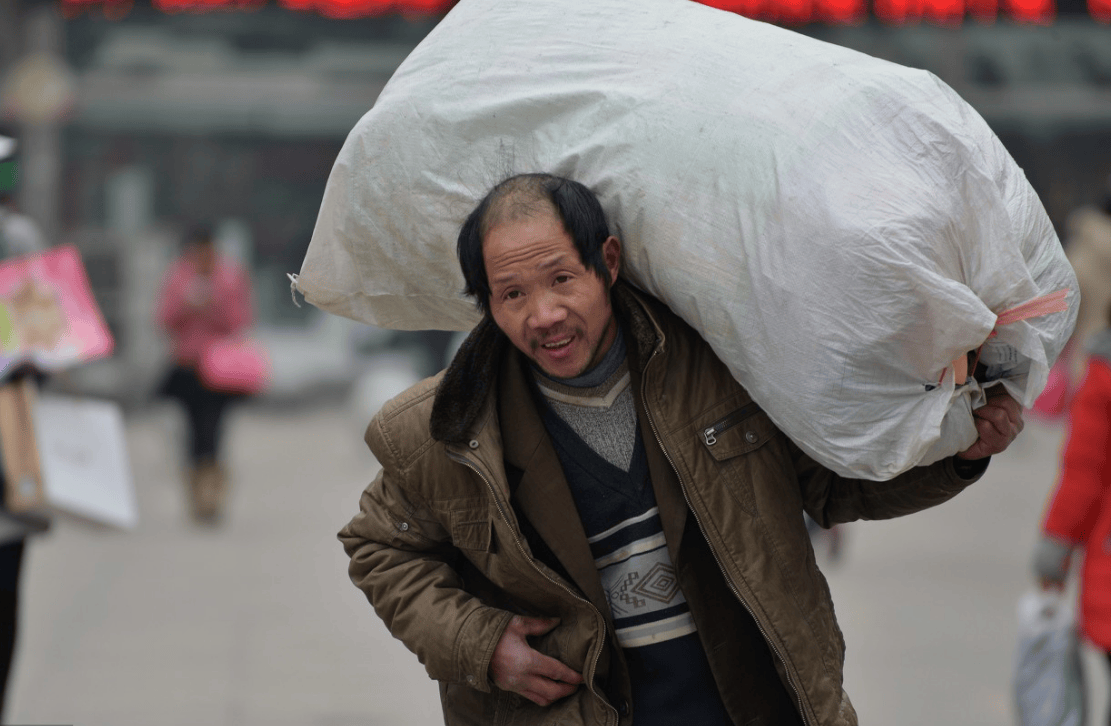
751,437
623,709
473,444
403,526
470,679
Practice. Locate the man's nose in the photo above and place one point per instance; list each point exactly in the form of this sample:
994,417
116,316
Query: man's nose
546,312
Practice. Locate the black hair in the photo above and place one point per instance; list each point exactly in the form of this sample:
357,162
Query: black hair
526,195
199,234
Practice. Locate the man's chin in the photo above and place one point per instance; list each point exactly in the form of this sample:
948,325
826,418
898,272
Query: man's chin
568,370
559,373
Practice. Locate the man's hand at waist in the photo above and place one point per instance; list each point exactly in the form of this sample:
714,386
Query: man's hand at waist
516,666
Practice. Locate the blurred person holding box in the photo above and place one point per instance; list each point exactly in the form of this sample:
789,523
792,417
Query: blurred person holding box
19,235
586,519
205,301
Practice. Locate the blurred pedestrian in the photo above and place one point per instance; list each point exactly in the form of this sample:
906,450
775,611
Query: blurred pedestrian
19,235
1088,246
205,300
1078,516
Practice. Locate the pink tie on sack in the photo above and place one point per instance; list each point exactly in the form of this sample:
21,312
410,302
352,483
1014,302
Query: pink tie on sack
1054,302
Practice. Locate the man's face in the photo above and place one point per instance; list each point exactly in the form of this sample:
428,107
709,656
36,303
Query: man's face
554,309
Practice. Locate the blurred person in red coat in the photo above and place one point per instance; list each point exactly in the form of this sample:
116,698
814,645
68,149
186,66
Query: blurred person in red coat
205,299
1089,250
1078,516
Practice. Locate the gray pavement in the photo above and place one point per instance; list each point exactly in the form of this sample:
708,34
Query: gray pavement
255,622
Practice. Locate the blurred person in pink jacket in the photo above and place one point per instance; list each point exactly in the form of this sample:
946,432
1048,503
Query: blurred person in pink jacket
205,299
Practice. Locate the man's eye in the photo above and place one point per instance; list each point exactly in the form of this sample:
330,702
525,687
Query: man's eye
562,278
512,294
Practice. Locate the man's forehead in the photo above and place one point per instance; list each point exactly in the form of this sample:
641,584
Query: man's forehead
539,263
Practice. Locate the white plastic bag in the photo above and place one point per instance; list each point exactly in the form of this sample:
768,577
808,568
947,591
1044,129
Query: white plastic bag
1048,680
838,228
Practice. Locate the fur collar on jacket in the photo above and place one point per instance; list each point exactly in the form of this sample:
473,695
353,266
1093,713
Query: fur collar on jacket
473,374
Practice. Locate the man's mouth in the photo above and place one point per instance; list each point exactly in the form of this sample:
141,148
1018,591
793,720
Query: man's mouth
557,344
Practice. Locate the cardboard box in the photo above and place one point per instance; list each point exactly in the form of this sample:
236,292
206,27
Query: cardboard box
64,454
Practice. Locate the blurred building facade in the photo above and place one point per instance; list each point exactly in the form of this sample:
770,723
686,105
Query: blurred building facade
235,116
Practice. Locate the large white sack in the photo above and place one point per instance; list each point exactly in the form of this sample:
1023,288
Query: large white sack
839,228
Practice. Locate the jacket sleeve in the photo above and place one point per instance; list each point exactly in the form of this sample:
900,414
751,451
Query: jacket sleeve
1075,505
832,499
402,559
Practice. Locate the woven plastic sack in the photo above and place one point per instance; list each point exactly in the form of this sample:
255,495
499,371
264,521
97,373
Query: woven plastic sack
839,228
1047,683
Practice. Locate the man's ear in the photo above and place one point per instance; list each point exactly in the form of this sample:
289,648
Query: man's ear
611,253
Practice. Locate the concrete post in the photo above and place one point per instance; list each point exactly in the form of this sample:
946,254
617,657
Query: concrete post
40,137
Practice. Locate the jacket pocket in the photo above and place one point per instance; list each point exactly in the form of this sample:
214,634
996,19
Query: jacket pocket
741,431
733,441
471,529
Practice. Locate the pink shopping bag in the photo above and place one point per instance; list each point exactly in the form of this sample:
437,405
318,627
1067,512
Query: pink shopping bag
48,316
235,366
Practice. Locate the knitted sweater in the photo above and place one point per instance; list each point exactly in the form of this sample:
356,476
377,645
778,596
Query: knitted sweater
592,422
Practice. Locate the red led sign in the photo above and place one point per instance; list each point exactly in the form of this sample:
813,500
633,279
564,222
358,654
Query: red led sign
789,12
899,12
327,8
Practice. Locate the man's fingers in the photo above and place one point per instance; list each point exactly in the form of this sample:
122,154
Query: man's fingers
1007,403
554,670
1004,413
516,666
998,423
990,427
1000,411
544,692
995,434
548,681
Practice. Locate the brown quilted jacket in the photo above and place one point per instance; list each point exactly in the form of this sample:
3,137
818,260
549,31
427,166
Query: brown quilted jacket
459,530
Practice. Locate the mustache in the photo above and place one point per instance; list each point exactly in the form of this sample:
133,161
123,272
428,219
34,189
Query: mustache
535,343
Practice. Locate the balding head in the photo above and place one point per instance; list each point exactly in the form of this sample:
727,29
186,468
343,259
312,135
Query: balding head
533,195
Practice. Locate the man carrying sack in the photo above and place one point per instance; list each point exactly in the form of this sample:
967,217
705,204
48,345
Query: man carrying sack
587,520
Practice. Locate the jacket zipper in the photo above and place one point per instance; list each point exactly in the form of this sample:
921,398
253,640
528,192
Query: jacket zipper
708,436
505,517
